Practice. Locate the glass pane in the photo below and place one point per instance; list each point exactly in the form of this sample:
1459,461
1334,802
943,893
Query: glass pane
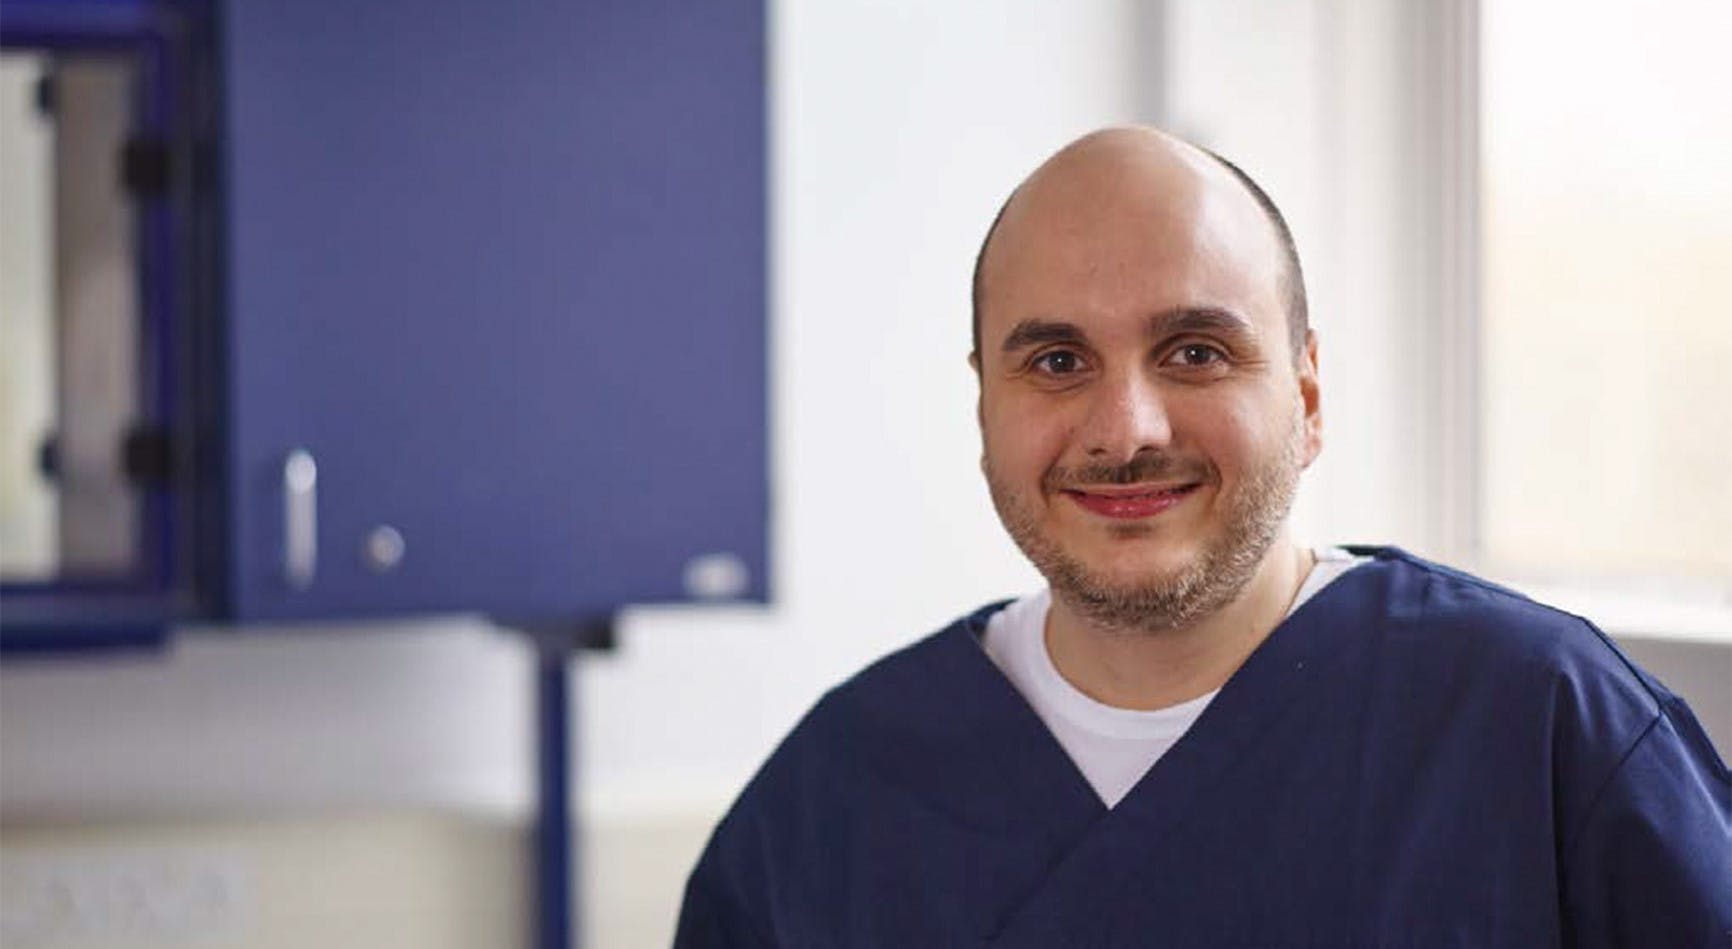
68,319
1607,287
29,548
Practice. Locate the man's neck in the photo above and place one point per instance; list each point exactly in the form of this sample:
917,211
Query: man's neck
1141,670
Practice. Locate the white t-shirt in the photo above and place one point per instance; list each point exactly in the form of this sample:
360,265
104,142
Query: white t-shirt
1112,747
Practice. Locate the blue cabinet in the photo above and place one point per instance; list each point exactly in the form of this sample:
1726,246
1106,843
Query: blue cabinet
498,268
485,295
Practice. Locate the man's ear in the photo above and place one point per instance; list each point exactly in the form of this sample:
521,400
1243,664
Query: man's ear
979,404
1311,400
979,390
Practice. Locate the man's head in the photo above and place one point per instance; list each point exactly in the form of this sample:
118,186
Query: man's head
1148,391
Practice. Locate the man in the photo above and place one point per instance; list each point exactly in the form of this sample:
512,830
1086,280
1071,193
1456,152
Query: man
1203,734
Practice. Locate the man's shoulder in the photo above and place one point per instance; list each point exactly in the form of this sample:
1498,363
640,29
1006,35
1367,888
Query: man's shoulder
1450,626
903,688
1449,609
1418,588
910,709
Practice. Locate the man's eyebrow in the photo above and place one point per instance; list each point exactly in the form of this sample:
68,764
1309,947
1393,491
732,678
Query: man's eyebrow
1201,319
1039,332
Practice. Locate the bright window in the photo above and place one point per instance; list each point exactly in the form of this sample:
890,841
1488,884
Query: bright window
1606,288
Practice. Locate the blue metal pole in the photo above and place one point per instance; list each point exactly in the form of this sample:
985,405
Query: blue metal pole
555,899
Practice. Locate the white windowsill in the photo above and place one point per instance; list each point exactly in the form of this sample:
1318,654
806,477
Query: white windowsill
1639,615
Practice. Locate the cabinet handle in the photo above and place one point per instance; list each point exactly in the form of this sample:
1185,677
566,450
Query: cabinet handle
300,518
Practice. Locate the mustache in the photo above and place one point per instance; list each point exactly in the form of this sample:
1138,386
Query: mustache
1149,466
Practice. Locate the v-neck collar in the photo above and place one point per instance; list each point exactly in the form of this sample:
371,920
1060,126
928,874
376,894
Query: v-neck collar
1037,787
1273,676
1046,784
1269,672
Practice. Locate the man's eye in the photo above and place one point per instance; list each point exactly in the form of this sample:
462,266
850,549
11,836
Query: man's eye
1057,362
1196,354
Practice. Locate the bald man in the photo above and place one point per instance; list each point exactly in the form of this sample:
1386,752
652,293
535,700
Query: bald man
1201,733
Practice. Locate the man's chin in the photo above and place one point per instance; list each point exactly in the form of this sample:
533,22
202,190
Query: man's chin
1142,569
1138,585
1131,581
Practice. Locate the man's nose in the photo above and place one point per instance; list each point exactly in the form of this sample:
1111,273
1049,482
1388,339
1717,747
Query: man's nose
1126,417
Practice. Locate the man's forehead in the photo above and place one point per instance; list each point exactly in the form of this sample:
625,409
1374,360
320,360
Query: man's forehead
1132,205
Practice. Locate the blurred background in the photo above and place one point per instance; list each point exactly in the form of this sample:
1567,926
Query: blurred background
1516,225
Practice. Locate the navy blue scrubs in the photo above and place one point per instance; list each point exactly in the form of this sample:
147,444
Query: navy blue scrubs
1415,757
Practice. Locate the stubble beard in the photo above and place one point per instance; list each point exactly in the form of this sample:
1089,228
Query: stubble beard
1249,519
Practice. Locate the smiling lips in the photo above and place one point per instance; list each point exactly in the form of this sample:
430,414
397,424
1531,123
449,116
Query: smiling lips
1128,502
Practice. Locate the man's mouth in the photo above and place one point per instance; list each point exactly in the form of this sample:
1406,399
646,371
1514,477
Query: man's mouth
1130,501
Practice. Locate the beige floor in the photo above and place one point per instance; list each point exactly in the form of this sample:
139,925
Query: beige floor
428,881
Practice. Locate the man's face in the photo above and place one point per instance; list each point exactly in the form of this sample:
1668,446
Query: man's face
1144,420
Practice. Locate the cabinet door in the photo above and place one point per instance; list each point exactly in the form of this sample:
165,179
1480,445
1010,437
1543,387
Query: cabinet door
498,269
